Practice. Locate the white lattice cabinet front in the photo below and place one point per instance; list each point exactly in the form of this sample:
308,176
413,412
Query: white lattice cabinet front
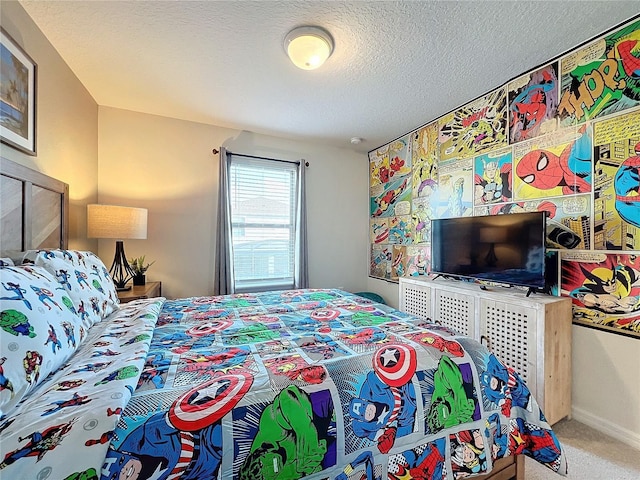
531,334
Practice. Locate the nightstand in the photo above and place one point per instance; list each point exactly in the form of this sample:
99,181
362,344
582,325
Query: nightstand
150,290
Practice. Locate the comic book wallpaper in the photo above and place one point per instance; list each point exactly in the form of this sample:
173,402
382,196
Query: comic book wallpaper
604,288
601,78
317,383
477,127
563,138
533,103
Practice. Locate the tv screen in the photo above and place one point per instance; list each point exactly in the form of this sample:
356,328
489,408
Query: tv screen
499,248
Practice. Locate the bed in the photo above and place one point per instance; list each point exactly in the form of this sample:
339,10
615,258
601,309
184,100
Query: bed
312,383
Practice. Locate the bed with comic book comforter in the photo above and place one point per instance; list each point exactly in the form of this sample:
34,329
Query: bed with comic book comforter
310,383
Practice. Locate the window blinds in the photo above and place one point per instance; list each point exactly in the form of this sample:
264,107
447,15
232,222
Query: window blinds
262,196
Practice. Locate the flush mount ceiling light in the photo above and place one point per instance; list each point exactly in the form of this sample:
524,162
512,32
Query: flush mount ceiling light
308,47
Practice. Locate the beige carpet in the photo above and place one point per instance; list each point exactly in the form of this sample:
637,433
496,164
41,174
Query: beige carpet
591,455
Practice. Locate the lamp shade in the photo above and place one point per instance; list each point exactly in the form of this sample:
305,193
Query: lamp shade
112,221
493,235
308,47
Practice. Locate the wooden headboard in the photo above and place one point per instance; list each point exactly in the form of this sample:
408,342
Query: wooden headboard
34,210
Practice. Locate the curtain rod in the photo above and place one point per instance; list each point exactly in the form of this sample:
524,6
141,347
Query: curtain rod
216,151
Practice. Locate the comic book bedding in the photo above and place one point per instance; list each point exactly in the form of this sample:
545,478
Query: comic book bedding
284,385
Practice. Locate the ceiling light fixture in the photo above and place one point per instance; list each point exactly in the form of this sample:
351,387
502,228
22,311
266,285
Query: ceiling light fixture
308,47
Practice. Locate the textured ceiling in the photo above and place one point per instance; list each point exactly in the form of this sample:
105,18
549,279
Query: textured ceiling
396,65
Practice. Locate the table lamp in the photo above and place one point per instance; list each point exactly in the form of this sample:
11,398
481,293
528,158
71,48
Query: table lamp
492,235
112,221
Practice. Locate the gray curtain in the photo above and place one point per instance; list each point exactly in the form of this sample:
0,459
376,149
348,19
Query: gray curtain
301,274
223,281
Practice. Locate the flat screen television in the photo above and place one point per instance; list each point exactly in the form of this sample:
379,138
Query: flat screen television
507,249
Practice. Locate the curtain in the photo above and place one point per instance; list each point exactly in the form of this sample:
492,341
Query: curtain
301,277
224,273
223,281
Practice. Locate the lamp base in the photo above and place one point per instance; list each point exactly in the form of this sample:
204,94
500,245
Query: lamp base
491,258
123,289
120,270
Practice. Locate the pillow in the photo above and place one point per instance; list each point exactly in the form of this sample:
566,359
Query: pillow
13,256
86,279
40,330
6,262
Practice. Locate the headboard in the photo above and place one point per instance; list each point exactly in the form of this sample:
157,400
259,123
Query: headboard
34,210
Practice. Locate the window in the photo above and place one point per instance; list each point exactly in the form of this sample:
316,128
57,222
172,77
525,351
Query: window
263,203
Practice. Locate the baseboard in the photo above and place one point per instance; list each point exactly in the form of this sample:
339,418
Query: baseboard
616,431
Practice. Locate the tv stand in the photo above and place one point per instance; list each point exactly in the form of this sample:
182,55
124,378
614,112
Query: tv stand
530,334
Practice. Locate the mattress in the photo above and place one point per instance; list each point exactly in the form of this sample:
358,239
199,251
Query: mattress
313,383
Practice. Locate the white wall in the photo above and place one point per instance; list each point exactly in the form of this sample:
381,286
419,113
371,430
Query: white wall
167,166
606,383
66,123
387,289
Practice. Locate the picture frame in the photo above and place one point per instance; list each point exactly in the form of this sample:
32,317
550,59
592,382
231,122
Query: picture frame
18,85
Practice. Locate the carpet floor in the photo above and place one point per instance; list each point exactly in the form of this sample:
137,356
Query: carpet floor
591,455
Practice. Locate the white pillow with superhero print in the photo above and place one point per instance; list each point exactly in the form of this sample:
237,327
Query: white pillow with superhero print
86,279
40,330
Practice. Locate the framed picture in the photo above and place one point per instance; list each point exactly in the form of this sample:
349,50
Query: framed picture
17,96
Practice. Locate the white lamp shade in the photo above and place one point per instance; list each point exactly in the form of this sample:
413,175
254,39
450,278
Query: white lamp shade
112,221
308,47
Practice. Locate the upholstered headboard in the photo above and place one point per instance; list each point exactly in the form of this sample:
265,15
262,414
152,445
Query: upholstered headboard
34,210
